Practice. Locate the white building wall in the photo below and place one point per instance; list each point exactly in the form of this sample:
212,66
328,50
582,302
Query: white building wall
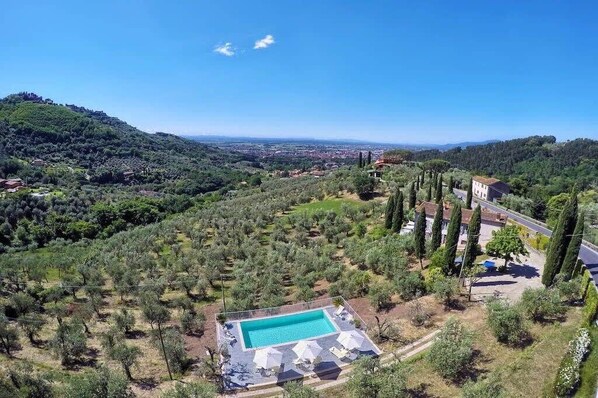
479,190
486,229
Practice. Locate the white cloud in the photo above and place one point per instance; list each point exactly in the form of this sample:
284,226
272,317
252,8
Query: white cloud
225,49
264,43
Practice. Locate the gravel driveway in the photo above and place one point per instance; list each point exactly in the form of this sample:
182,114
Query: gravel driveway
510,285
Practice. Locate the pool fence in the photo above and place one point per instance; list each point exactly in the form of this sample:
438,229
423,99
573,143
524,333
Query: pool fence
292,308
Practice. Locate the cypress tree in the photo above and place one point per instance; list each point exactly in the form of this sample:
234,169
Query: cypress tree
397,217
450,184
437,228
573,249
360,162
435,180
412,196
473,236
417,184
559,241
429,194
390,208
439,189
452,239
420,236
369,157
423,179
469,197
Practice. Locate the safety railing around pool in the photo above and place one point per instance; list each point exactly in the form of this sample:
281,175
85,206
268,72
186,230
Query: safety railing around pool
292,308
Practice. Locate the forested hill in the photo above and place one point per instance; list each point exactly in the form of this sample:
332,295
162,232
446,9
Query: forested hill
105,147
536,160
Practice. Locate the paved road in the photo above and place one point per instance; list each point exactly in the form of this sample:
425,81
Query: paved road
586,253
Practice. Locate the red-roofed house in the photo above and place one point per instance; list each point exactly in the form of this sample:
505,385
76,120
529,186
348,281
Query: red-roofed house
491,221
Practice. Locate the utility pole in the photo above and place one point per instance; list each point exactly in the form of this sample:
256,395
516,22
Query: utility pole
461,281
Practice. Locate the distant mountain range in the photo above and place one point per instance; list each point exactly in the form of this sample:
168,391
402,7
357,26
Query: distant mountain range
216,139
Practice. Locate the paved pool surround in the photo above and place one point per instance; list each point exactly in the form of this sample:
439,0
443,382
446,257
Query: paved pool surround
240,372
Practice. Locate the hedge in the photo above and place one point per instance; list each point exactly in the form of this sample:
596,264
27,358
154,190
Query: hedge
567,378
590,296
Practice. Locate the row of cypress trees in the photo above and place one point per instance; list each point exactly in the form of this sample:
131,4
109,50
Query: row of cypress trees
565,242
454,227
395,211
361,162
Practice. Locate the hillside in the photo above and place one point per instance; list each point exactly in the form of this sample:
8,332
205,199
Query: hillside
86,175
34,128
533,161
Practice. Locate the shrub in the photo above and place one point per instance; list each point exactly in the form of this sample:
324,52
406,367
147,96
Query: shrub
295,389
445,289
410,285
417,313
192,322
438,258
369,379
542,304
196,389
567,378
568,289
431,277
488,388
506,322
452,351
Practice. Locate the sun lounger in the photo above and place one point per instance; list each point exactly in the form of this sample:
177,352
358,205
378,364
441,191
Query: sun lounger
340,354
301,364
316,361
264,372
339,311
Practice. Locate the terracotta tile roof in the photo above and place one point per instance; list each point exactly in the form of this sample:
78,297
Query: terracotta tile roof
487,215
486,180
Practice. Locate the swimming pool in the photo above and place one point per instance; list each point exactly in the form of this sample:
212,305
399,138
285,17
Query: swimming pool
285,328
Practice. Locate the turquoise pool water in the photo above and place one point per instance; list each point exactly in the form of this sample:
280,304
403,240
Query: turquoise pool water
286,328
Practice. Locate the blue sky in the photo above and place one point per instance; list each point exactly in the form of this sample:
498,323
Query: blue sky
392,71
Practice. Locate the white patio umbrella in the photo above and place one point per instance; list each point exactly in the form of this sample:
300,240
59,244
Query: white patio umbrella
350,339
307,349
267,358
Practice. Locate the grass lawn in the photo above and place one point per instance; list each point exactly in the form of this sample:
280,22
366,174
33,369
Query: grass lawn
331,204
527,372
524,372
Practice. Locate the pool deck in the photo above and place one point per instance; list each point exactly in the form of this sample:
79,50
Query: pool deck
241,372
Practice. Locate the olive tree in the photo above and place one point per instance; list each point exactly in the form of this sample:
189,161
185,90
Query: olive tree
507,322
451,353
9,336
101,383
70,342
